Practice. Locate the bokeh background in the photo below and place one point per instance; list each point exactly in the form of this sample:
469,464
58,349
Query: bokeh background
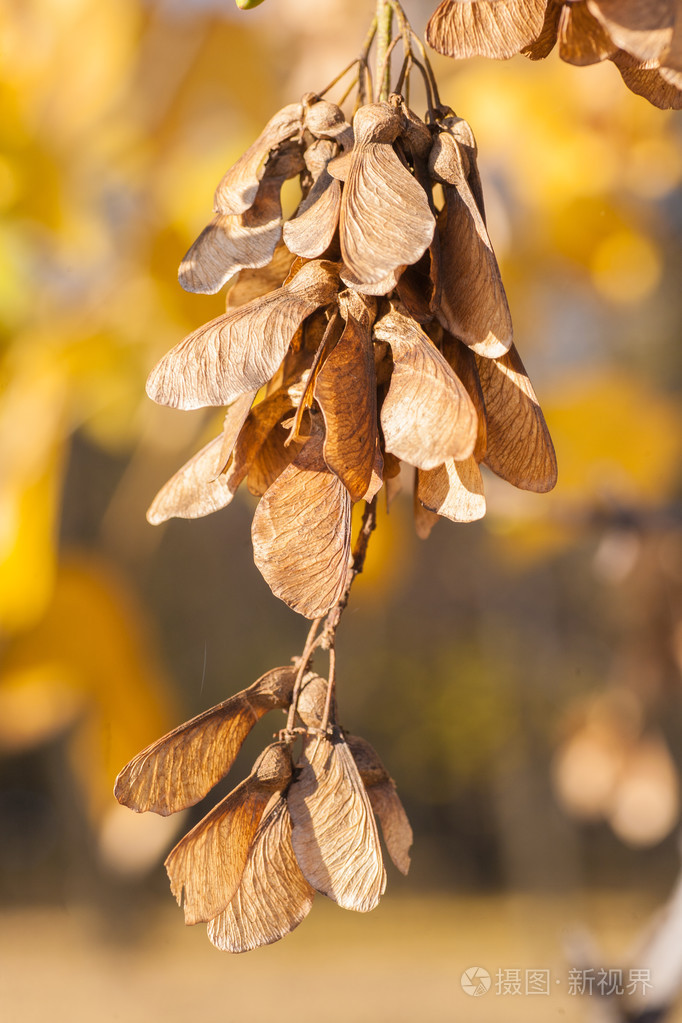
520,677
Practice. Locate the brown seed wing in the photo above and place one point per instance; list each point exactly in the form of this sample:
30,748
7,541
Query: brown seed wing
273,896
233,243
250,284
195,489
271,459
240,350
199,487
208,863
334,832
520,449
385,801
454,490
473,301
301,534
543,45
178,770
643,28
346,393
239,187
485,28
424,519
311,231
260,422
386,221
427,415
649,83
582,39
463,362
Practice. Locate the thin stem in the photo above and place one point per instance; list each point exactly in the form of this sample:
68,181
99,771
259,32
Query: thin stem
339,77
303,664
328,636
384,31
364,74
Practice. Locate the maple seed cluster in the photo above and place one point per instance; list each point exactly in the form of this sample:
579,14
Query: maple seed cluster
376,323
643,38
250,869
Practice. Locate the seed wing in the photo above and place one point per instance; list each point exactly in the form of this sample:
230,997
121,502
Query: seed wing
485,28
179,769
273,896
241,350
427,415
334,833
520,449
301,534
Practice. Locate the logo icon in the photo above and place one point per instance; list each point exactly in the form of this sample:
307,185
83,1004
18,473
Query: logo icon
475,981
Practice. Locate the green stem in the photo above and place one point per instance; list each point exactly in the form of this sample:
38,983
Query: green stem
384,31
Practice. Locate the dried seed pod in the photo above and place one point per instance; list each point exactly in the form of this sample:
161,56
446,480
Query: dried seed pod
237,191
386,221
200,487
334,834
301,534
520,449
219,361
179,769
325,120
208,863
427,415
485,28
273,896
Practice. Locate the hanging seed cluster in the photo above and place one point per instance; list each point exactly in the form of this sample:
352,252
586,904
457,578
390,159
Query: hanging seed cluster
375,326
251,868
370,329
643,38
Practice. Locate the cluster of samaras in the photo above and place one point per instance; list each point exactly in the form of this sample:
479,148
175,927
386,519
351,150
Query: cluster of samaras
375,319
252,866
643,38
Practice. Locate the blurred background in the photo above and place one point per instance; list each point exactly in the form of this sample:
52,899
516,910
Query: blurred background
520,677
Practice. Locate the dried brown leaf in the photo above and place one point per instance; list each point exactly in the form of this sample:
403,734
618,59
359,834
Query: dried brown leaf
473,301
427,415
385,801
178,770
273,896
386,220
334,832
346,393
250,284
454,490
643,28
199,488
582,39
485,28
238,189
301,534
207,864
520,449
242,349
